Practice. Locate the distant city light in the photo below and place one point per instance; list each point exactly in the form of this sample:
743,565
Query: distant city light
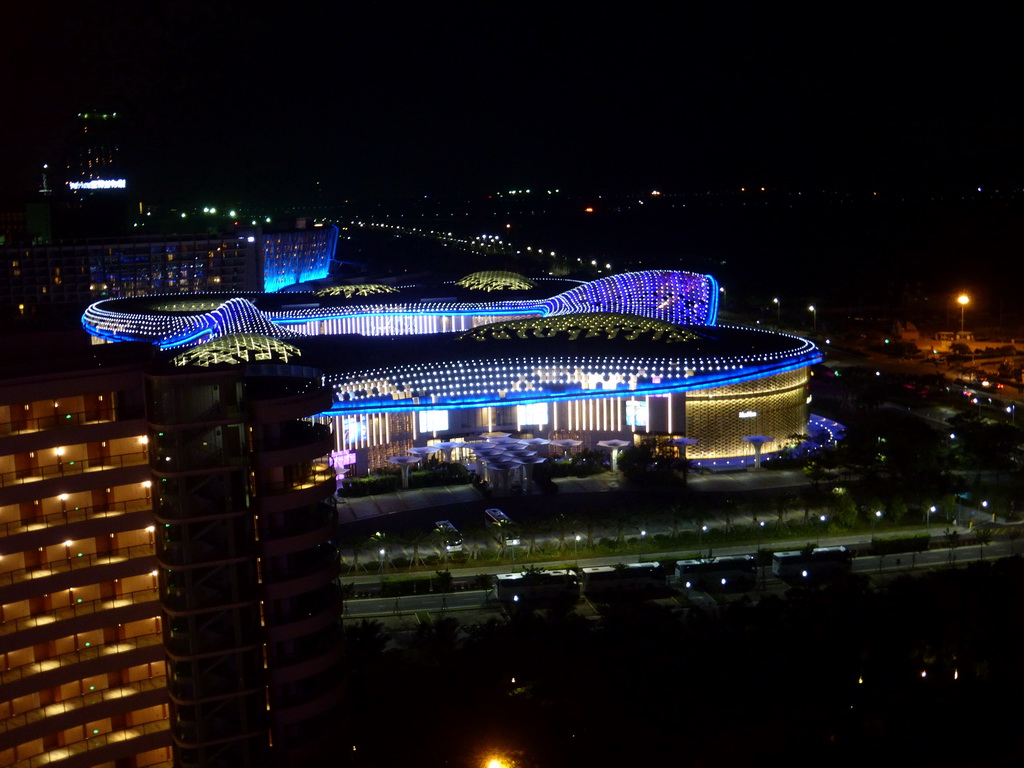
98,184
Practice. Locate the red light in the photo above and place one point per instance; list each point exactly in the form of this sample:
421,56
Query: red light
588,209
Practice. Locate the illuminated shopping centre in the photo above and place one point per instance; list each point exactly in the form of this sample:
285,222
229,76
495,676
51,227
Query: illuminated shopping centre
168,573
545,359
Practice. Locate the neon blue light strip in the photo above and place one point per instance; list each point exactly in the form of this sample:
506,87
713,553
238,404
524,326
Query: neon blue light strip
541,311
687,385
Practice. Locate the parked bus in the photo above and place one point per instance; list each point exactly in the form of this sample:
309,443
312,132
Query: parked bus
814,564
711,573
498,517
506,528
450,535
601,581
536,586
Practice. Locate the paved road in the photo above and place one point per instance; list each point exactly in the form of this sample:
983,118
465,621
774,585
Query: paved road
420,607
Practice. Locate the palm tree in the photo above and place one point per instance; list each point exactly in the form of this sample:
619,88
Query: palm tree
440,537
675,517
379,541
530,531
475,538
417,539
563,526
358,545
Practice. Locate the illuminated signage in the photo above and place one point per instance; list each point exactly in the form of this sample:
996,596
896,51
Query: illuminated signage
433,421
748,414
636,413
353,428
98,184
535,413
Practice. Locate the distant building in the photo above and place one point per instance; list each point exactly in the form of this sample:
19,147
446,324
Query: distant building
83,271
621,357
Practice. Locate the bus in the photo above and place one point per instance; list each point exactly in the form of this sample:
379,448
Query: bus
450,535
498,517
817,563
718,573
506,528
536,586
600,581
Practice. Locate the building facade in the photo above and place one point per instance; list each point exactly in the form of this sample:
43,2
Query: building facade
80,272
621,357
168,577
84,671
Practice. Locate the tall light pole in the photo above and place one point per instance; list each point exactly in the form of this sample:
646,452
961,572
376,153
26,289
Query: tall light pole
963,300
778,312
814,317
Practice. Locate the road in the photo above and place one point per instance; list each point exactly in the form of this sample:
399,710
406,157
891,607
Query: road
483,600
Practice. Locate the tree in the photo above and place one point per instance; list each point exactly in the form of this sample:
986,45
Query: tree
417,539
443,581
357,545
897,510
984,537
842,507
474,539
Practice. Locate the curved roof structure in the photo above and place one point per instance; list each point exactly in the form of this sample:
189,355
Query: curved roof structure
543,359
637,334
682,298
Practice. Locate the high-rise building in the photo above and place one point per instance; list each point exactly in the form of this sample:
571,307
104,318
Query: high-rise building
168,590
75,273
95,160
81,653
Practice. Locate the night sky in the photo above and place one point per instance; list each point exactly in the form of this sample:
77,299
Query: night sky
267,99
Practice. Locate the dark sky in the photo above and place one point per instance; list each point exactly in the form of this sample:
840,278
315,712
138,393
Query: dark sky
247,99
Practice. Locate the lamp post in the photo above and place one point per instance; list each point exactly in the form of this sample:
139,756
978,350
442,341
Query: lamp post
963,300
643,537
760,527
576,549
778,311
814,317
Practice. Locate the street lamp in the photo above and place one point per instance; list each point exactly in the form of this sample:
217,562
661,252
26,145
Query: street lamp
576,548
760,527
814,317
963,300
778,311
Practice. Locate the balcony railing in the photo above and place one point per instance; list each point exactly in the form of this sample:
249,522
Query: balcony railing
75,703
73,658
70,468
85,608
57,421
69,563
75,515
96,742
